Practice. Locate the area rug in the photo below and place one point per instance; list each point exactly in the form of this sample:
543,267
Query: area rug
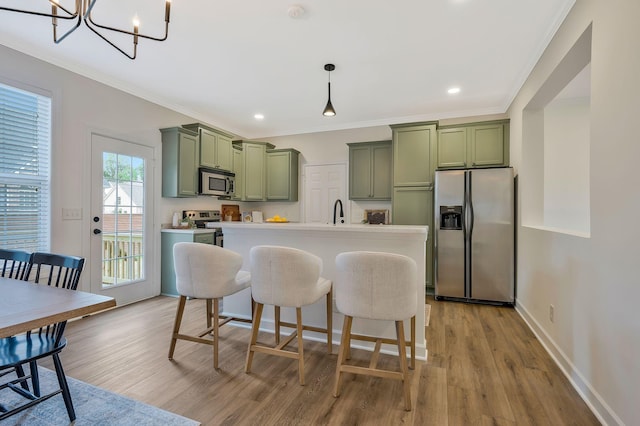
93,406
427,314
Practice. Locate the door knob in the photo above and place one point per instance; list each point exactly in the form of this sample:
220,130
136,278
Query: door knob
97,231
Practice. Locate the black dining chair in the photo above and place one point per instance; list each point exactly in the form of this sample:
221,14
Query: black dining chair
14,263
17,351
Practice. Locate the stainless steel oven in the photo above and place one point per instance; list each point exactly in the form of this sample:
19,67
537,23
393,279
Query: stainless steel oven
208,219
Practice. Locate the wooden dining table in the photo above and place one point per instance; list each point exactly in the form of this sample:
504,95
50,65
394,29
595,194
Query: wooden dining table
26,306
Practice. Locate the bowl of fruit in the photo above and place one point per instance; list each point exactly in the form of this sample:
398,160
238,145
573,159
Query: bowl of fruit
277,219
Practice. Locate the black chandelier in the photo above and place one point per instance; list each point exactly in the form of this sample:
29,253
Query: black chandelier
82,13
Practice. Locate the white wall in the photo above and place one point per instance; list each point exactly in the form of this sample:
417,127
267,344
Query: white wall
566,165
592,282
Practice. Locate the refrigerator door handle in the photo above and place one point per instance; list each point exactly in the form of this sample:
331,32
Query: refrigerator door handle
470,196
467,236
464,209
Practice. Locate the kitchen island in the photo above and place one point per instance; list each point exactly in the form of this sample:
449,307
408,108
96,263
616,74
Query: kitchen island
326,242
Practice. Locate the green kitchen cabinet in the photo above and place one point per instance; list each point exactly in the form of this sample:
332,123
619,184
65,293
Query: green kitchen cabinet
414,154
414,206
254,166
215,150
169,238
414,164
282,174
370,170
237,169
179,162
473,146
452,148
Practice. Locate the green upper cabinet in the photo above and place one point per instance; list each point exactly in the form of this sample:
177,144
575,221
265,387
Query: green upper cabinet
474,145
237,169
370,170
215,150
254,166
452,148
414,154
179,162
489,145
282,174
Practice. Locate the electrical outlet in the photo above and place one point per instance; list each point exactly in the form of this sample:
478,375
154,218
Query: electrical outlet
552,313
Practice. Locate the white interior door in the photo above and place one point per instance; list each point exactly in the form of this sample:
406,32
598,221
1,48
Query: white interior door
323,185
122,238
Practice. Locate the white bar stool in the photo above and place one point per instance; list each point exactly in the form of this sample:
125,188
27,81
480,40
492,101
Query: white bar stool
205,271
378,286
283,276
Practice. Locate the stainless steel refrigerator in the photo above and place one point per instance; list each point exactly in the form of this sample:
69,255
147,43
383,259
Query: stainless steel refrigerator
474,235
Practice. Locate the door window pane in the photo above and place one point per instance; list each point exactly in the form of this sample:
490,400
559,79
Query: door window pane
123,216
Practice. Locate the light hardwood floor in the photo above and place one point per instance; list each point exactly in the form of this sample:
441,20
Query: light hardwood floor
485,367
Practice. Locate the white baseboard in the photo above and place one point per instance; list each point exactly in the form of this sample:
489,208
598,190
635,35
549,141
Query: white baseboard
594,401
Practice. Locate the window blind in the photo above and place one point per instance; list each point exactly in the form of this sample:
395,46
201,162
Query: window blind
25,145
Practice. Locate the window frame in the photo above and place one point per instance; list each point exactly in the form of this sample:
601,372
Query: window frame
42,178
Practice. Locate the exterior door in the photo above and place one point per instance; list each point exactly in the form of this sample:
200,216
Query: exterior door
122,238
323,185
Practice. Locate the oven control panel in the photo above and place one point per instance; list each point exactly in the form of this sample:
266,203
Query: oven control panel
202,215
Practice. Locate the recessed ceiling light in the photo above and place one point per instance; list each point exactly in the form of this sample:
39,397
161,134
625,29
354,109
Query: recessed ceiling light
258,117
295,11
453,90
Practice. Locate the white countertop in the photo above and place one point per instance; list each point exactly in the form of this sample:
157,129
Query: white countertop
289,226
191,231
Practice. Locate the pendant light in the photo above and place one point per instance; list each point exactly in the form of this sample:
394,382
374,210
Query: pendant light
328,110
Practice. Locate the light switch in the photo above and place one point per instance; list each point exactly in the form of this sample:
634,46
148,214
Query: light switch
72,214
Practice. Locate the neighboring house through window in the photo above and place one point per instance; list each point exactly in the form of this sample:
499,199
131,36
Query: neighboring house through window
25,145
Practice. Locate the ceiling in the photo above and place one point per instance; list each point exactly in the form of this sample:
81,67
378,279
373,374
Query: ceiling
227,60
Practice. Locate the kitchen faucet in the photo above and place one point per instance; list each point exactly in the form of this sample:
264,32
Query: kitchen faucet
335,205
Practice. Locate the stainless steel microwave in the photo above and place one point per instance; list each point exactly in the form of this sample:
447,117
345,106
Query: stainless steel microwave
217,182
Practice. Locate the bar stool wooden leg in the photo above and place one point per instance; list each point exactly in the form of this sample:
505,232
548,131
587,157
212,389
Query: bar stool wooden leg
330,321
276,323
176,325
209,311
257,315
216,328
348,351
342,353
413,342
300,345
402,354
